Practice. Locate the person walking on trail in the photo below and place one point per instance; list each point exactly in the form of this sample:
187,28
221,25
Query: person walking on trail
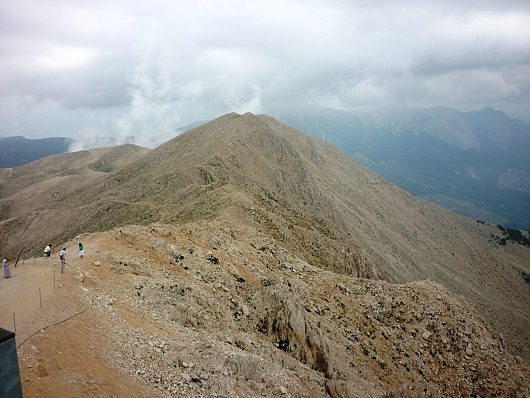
5,267
81,250
62,256
48,250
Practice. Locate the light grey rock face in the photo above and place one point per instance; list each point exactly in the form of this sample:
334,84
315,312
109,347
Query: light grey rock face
447,124
292,330
262,322
515,180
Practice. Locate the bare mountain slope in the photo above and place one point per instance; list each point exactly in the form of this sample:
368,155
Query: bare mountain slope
315,202
31,210
220,309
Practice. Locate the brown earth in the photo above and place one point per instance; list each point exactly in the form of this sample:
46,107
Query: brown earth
58,358
321,205
31,208
269,263
221,309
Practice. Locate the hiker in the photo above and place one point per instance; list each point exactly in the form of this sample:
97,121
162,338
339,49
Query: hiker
81,250
48,250
62,256
5,267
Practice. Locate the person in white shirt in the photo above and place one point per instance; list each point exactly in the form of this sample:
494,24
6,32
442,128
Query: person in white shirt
5,266
62,256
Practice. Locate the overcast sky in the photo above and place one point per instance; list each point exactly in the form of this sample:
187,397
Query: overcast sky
143,68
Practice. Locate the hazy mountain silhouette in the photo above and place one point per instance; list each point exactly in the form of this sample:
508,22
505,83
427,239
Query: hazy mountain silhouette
16,151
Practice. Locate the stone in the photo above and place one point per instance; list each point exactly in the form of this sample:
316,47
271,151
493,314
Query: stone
41,371
245,310
426,335
211,258
97,263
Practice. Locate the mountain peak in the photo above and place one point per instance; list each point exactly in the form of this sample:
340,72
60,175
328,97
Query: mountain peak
308,197
489,109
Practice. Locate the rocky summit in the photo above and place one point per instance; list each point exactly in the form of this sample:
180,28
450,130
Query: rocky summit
246,259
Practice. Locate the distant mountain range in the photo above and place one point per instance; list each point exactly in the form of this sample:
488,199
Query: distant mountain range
475,163
16,151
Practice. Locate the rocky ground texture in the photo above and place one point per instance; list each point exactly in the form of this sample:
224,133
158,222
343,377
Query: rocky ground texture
219,309
317,204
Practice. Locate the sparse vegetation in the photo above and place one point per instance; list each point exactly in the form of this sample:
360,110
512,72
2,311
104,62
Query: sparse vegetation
521,237
103,167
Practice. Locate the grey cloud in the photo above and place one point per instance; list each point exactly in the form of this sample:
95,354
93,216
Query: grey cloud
165,64
101,87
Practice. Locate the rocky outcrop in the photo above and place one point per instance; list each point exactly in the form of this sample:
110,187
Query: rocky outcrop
515,180
288,324
258,321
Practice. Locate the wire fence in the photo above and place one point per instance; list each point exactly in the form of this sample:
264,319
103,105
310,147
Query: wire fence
40,302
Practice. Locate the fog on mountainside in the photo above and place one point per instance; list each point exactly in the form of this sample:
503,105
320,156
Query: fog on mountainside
17,151
152,140
475,163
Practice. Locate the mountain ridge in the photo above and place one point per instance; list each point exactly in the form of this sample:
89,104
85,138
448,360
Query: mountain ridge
478,158
324,207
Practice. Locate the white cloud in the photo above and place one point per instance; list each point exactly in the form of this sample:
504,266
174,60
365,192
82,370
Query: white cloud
163,64
51,59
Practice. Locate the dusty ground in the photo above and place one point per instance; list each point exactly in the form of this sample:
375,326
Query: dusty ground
61,346
220,309
323,207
